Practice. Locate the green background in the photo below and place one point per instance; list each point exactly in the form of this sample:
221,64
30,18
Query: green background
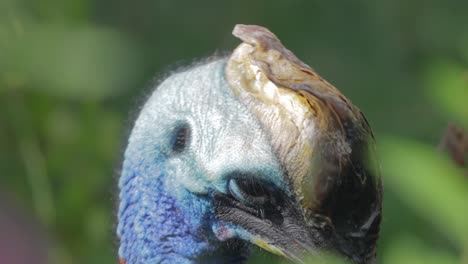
73,74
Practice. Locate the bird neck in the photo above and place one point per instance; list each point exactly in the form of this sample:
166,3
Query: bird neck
155,226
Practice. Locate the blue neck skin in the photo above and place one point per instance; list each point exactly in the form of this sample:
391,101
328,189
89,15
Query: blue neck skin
156,227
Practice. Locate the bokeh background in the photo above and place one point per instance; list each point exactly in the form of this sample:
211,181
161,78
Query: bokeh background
73,74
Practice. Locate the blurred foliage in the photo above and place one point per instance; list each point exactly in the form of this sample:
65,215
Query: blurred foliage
447,84
415,171
72,71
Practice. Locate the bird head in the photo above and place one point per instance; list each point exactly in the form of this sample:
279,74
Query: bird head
256,149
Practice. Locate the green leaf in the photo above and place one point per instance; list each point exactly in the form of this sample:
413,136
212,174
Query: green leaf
447,87
411,250
429,183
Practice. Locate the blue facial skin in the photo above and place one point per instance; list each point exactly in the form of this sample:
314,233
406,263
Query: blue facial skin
166,211
154,227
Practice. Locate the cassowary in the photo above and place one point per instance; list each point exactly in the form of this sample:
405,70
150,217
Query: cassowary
255,149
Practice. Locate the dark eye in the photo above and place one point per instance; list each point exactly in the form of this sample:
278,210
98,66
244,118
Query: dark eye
250,191
181,138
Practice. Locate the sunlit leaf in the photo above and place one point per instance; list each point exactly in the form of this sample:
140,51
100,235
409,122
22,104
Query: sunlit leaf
411,250
447,87
326,259
428,182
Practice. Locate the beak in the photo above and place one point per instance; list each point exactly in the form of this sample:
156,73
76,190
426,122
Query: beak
281,230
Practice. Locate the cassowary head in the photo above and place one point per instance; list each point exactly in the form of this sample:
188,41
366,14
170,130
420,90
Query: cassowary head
252,149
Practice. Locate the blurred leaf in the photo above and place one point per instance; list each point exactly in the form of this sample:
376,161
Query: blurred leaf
77,63
411,250
261,256
447,86
429,183
326,259
97,225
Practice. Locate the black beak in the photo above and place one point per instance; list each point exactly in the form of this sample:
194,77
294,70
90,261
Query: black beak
280,229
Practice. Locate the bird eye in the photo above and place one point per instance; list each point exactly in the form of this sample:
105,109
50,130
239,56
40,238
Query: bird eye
181,138
249,191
